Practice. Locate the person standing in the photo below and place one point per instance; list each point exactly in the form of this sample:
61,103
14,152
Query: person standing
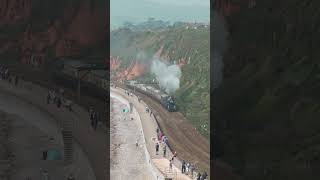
160,136
157,148
6,74
192,169
93,116
166,141
16,80
183,167
45,175
59,102
204,176
187,168
95,123
164,150
199,176
48,98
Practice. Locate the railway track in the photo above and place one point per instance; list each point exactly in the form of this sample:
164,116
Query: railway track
183,137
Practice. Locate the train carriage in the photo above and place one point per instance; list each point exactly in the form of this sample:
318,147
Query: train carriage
164,99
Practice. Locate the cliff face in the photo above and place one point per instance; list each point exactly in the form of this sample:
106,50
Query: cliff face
267,107
33,31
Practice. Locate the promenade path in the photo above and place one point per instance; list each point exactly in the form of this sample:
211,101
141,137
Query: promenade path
149,127
128,161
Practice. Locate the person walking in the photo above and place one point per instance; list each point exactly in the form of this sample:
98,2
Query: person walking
164,150
157,148
170,164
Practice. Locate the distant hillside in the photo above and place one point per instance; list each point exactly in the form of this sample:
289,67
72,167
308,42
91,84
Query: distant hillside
150,24
186,45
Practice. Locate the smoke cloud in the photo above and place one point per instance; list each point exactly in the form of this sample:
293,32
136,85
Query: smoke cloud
168,76
219,46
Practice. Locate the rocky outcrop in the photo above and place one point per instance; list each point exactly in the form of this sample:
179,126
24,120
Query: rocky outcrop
14,11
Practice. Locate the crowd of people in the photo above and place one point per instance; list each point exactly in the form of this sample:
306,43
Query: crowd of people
58,99
188,169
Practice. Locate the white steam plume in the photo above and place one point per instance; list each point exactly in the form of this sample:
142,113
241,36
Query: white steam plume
168,76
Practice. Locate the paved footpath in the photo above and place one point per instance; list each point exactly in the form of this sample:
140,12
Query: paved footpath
93,143
149,127
127,160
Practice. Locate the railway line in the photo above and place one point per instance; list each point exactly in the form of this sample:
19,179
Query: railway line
183,137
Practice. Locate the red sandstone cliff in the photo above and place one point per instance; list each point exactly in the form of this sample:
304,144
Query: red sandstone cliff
46,29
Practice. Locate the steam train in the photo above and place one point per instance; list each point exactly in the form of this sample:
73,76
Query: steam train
164,99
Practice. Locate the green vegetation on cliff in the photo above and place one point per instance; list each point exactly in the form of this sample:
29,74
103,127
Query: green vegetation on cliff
191,44
267,108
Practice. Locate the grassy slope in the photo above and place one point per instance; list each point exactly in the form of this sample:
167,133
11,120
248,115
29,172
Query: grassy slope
193,97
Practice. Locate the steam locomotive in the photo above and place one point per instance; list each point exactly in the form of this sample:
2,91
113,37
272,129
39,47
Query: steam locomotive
164,99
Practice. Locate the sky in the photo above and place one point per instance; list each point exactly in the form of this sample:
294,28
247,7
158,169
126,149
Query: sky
137,11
